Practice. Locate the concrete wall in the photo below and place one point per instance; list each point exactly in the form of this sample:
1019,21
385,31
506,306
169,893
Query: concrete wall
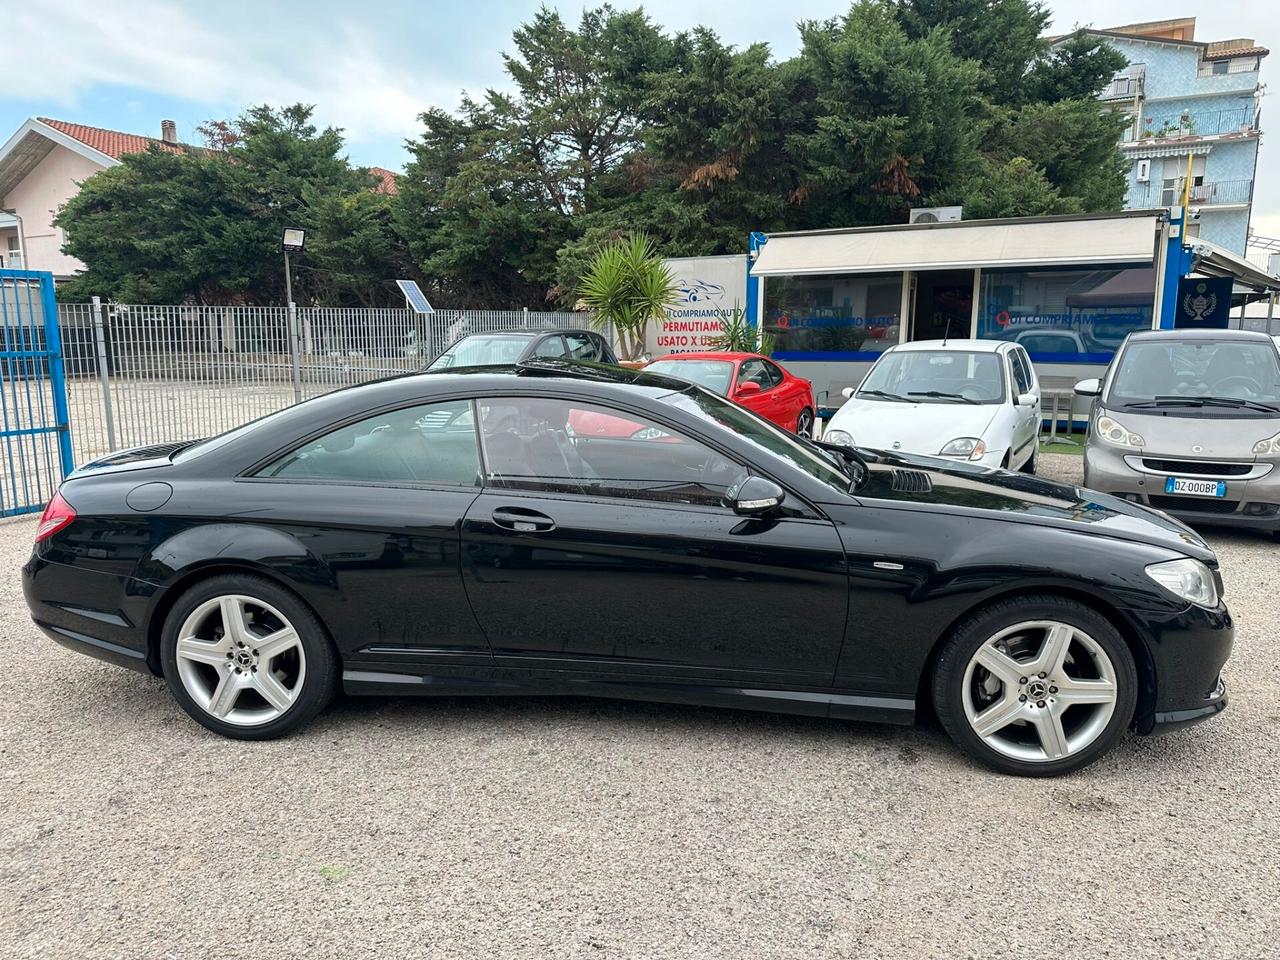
1172,71
54,181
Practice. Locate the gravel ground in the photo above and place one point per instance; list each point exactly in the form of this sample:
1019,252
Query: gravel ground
575,828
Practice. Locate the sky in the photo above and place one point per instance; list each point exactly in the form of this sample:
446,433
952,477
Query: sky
372,68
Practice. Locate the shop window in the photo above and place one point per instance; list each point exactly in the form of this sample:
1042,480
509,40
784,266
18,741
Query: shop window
1066,315
839,317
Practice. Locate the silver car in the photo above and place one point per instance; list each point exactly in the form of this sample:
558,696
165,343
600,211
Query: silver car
1188,421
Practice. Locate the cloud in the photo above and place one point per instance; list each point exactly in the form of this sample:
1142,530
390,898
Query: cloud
72,46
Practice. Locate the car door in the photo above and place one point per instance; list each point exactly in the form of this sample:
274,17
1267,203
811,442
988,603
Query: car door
1026,418
768,402
613,553
377,504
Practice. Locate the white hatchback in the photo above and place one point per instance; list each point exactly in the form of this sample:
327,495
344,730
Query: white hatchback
973,400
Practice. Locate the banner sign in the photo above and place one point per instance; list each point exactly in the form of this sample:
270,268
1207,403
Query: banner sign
1203,303
707,288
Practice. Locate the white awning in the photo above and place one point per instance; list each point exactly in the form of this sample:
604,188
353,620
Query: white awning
943,246
1215,261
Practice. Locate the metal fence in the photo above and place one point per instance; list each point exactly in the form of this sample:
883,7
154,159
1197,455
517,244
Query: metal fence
33,411
146,374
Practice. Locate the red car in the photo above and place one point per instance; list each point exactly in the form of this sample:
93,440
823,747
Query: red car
756,382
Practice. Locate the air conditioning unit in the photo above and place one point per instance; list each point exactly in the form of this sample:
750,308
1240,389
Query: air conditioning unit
1144,170
935,214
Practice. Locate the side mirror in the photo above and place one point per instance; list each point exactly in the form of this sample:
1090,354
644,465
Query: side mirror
1089,388
756,496
1027,400
847,393
747,388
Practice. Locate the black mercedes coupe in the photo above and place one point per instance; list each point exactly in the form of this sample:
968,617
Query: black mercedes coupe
564,528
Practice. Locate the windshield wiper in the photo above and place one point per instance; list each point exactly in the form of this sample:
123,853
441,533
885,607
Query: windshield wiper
941,395
883,393
1176,401
848,457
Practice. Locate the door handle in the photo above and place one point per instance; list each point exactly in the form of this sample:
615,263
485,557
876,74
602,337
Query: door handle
523,520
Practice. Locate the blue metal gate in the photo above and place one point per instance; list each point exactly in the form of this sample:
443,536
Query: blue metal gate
33,393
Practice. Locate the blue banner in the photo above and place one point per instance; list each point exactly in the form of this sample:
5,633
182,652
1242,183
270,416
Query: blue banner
1203,303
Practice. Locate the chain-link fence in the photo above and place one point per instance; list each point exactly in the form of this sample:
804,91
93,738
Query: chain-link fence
146,374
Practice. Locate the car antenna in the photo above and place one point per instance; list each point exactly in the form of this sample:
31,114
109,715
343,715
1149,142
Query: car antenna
947,331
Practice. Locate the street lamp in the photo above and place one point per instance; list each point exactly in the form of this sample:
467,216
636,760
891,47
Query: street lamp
292,240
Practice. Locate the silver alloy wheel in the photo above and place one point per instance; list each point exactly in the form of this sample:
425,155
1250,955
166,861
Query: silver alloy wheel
240,660
1040,691
804,425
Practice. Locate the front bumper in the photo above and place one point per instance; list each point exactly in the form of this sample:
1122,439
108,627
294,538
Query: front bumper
1252,502
1184,685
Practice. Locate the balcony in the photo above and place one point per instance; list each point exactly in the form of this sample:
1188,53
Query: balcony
1179,126
1126,86
1169,193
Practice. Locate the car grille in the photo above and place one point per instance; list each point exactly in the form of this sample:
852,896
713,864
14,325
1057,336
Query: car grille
1192,505
911,481
1198,467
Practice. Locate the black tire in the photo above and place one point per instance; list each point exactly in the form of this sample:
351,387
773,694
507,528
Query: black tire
318,685
1029,467
976,629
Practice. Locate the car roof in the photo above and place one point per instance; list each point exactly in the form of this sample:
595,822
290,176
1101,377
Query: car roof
712,355
1242,335
953,343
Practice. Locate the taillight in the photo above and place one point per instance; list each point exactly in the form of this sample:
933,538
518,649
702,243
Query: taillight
57,515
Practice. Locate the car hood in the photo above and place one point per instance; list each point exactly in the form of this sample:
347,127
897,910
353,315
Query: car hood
934,483
1169,433
914,427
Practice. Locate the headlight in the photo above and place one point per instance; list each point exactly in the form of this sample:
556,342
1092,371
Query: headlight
1186,578
841,438
970,447
1117,433
1269,445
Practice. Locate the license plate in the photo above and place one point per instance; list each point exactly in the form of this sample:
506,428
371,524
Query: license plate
1195,488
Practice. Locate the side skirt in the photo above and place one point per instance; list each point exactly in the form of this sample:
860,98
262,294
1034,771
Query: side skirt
813,703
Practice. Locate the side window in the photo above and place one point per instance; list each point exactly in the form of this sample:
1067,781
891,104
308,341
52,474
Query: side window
1020,382
775,374
432,443
1027,368
550,347
566,446
582,346
754,371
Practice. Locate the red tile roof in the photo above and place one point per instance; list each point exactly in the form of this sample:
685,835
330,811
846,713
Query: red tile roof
1214,53
111,142
388,178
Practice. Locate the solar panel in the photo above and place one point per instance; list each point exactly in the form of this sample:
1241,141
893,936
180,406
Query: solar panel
414,297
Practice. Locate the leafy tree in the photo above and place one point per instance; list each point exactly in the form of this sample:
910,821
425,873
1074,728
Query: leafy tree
1077,69
627,287
204,225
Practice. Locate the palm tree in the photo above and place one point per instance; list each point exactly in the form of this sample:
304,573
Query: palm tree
626,287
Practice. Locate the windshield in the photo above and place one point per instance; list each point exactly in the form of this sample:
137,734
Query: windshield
1204,378
761,434
935,376
715,375
481,351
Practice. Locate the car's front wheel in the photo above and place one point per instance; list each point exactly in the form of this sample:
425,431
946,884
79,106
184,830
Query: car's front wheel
246,658
1035,685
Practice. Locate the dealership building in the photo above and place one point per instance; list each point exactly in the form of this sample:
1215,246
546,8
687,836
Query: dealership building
1069,289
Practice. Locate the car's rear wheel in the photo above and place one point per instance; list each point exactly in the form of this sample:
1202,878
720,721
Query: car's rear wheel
1035,685
246,658
804,424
